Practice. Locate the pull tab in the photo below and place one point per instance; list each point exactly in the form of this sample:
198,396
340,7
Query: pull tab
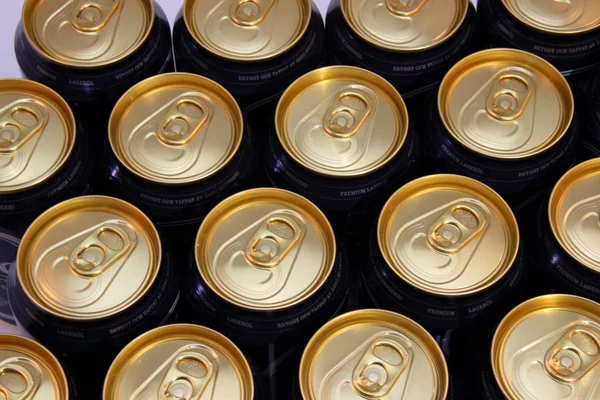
510,94
250,12
272,241
20,379
92,16
183,120
405,8
347,112
574,354
100,250
456,227
19,123
380,367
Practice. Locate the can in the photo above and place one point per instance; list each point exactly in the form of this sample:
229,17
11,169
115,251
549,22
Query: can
180,362
178,146
373,354
8,254
546,348
45,157
411,44
30,371
591,108
505,118
255,49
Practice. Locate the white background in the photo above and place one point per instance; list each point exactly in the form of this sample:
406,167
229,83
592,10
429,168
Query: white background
10,13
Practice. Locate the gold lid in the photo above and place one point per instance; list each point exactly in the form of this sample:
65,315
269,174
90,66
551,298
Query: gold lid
341,121
37,134
448,235
265,249
87,33
505,104
247,30
28,371
574,212
549,348
180,362
405,25
176,128
88,258
558,16
373,354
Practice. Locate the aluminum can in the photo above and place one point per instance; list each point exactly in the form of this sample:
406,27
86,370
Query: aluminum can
505,118
255,49
546,348
411,44
180,362
44,157
590,106
8,254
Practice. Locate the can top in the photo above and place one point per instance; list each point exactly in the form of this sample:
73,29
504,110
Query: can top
87,33
341,121
88,258
30,371
37,134
176,129
405,25
549,348
373,354
247,30
180,362
448,235
265,249
505,104
556,17
574,213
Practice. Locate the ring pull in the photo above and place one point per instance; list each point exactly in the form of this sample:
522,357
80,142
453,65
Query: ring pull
19,123
184,118
510,94
20,383
347,113
575,354
250,12
272,241
405,8
93,16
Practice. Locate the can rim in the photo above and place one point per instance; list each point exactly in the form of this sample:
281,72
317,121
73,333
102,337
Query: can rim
164,333
306,5
37,228
232,203
156,82
60,106
340,72
29,5
449,181
518,314
457,72
365,316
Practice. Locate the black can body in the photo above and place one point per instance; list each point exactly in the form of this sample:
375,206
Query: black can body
590,103
250,82
410,73
9,245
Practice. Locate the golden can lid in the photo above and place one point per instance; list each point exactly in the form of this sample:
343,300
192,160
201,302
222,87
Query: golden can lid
176,129
89,258
405,25
448,235
180,362
505,104
558,16
247,30
549,348
37,134
574,212
28,371
87,33
373,354
341,121
265,249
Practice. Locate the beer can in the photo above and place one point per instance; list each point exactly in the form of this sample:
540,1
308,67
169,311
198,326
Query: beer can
30,371
44,156
412,44
505,118
255,49
373,354
8,254
178,146
180,362
564,236
546,348
591,109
